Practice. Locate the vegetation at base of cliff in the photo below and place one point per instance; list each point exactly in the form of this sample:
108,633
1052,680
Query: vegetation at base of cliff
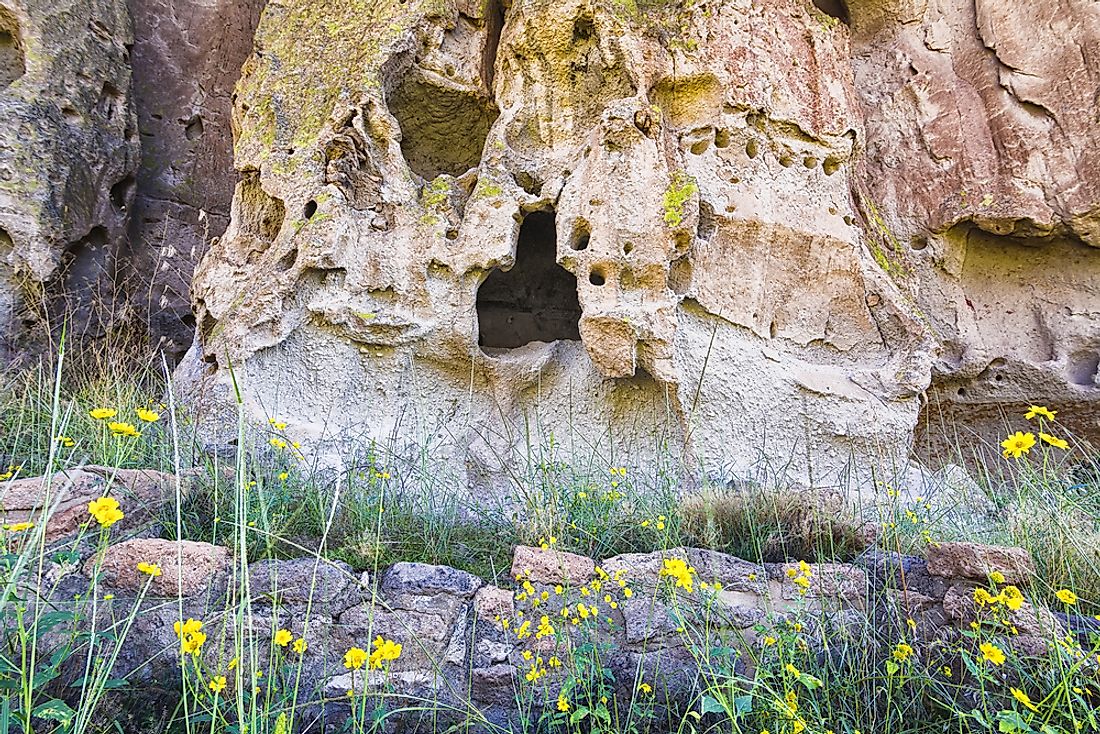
267,499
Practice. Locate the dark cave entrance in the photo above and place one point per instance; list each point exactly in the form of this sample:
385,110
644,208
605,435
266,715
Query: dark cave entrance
534,301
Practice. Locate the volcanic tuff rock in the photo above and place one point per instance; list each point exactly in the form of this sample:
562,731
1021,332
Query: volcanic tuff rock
68,154
581,212
186,58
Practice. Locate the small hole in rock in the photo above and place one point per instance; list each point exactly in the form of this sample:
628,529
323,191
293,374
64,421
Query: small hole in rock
596,277
919,242
310,209
122,192
752,149
962,392
628,247
581,236
722,139
452,234
193,128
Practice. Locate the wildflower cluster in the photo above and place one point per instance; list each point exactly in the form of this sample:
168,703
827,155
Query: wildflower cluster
1018,444
355,658
680,572
801,576
117,428
11,471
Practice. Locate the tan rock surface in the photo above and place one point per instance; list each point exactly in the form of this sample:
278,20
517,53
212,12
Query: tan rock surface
551,566
187,567
140,493
976,561
390,232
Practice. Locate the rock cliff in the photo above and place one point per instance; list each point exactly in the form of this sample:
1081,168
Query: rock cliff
785,236
750,224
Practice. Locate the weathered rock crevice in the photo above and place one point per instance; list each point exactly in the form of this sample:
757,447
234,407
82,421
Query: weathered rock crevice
13,62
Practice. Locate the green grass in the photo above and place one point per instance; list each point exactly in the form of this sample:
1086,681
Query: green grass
270,502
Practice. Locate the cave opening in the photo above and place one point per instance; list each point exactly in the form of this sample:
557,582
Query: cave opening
443,127
536,300
835,8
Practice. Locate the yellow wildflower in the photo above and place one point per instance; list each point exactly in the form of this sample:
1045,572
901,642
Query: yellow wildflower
1066,597
283,637
682,573
1041,412
983,597
1012,597
18,527
1023,698
192,644
149,416
902,652
354,658
102,414
997,577
645,688
992,653
65,441
1017,444
217,684
384,651
105,510
149,568
129,430
300,645
1058,443
563,704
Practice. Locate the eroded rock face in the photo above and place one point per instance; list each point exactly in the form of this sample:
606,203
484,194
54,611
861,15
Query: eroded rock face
412,225
980,162
186,58
68,155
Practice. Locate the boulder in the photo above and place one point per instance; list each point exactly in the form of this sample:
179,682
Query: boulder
141,494
187,568
551,566
975,562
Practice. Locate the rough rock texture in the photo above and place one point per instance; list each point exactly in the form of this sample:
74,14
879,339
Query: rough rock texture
186,58
187,568
140,493
976,562
674,162
68,155
980,173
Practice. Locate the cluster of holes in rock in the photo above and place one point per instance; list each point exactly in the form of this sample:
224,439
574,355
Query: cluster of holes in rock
13,62
536,300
